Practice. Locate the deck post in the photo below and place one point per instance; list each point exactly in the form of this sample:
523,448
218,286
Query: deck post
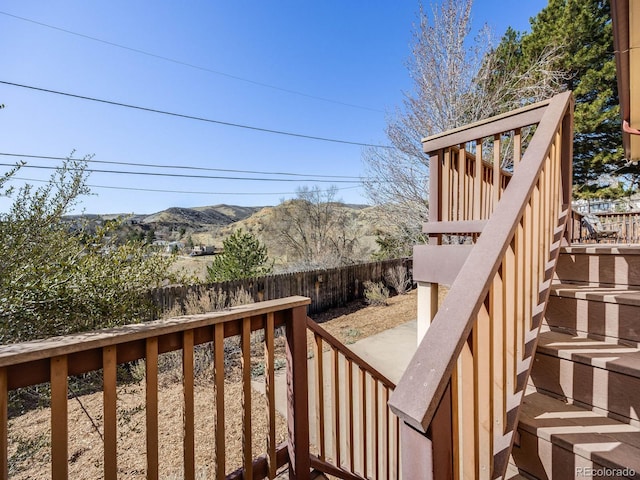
416,453
297,395
427,306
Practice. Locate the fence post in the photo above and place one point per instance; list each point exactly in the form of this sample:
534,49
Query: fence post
297,395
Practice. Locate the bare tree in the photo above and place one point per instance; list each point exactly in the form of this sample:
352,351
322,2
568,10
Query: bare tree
442,70
315,229
453,84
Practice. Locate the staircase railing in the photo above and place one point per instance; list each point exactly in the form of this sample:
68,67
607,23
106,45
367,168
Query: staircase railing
355,434
459,398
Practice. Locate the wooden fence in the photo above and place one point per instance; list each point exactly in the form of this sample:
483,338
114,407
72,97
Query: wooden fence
327,288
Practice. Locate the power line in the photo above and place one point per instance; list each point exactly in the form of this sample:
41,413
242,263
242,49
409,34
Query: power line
191,65
191,117
183,167
183,175
188,192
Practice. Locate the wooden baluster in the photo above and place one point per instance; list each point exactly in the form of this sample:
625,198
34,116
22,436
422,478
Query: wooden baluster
454,191
535,241
544,218
376,434
510,301
464,412
387,437
462,186
218,379
320,420
497,175
436,185
189,406
4,424
528,262
478,183
247,449
335,381
109,372
483,374
397,447
152,407
498,352
59,425
351,414
447,186
269,350
517,148
521,301
363,421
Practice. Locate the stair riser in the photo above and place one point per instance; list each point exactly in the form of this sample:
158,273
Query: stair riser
617,269
542,459
614,393
608,321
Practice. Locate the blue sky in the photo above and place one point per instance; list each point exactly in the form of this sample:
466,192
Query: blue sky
350,52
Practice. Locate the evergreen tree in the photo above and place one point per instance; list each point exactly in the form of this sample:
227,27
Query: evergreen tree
582,31
243,256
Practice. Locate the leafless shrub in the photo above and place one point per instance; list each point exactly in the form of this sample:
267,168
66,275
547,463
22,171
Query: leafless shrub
398,278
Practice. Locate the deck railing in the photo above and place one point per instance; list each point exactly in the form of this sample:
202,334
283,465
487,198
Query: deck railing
56,360
355,434
627,224
460,395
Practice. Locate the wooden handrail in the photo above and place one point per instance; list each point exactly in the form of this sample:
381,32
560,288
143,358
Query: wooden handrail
533,205
522,117
18,353
336,344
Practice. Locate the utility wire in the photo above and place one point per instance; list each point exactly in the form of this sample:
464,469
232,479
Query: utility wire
183,167
187,192
183,175
191,117
191,65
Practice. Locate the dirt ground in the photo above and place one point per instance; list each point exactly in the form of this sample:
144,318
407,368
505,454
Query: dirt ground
29,434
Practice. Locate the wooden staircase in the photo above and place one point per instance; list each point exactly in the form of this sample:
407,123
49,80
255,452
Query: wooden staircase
581,415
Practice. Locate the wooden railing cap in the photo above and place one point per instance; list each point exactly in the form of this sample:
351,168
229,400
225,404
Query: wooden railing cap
522,117
40,349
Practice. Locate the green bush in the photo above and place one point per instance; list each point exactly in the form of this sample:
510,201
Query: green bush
58,277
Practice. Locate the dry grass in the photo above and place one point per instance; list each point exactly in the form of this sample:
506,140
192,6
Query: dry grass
29,434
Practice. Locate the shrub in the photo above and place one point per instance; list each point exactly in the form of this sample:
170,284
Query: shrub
376,293
398,279
57,276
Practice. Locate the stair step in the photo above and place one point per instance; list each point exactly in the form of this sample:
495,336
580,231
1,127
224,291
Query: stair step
599,375
621,295
610,313
613,265
563,441
514,474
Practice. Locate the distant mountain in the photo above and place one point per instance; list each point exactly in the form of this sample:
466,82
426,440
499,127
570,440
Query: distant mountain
200,216
210,225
